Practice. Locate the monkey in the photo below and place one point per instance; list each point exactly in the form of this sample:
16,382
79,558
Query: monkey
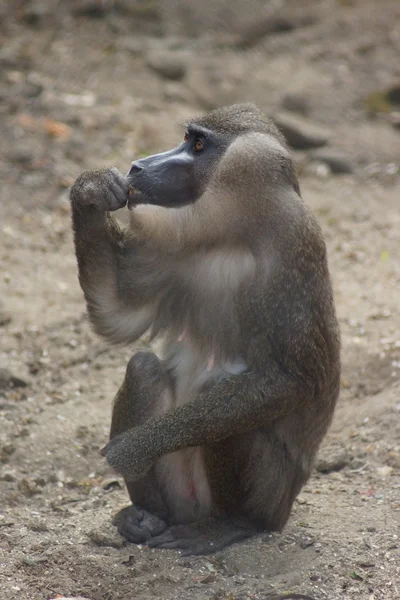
224,262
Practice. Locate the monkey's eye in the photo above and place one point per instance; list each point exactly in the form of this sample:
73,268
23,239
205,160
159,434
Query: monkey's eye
198,145
186,137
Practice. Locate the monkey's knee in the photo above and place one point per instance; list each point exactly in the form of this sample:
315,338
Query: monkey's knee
144,367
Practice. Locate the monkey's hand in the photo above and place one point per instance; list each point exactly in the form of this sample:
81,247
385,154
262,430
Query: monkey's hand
128,454
104,189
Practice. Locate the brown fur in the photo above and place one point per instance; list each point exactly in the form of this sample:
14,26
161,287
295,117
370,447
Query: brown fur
238,284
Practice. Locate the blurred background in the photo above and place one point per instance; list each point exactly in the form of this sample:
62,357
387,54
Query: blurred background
92,83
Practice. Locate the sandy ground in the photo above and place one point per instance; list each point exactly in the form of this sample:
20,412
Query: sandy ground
80,91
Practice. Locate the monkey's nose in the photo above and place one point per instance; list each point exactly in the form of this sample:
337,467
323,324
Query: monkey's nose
135,169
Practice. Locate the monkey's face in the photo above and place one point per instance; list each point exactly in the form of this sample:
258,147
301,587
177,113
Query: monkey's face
178,177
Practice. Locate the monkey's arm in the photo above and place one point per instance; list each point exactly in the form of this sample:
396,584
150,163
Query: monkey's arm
235,405
119,281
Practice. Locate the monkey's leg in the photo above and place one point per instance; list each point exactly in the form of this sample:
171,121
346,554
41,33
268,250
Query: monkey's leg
209,535
254,483
143,394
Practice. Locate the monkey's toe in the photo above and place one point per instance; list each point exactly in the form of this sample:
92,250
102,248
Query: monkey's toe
137,525
201,538
184,538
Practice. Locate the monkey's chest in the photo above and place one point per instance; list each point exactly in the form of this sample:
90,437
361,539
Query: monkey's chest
197,370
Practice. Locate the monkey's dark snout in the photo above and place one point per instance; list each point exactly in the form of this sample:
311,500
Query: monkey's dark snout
135,169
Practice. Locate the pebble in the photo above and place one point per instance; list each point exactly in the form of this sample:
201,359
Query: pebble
106,538
337,163
59,597
8,380
170,65
331,460
301,133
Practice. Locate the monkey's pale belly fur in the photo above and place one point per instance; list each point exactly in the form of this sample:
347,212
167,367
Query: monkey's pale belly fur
182,474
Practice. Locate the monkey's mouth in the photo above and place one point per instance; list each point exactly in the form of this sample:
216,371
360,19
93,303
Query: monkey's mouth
135,197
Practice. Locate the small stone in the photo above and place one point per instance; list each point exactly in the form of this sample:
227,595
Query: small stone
111,485
365,562
28,487
95,9
254,33
330,460
394,119
209,578
32,562
8,476
20,156
306,542
8,380
384,471
393,459
34,12
38,526
5,318
338,163
168,64
135,45
69,598
6,451
301,133
296,103
106,538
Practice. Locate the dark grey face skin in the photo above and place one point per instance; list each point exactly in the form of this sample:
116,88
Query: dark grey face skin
179,176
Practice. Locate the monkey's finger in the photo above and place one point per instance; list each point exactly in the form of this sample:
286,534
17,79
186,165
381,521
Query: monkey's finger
165,538
121,181
116,198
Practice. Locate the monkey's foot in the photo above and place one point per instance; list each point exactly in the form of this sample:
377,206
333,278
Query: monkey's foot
204,537
137,525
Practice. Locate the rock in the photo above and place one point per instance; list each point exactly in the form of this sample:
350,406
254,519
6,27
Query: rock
255,32
393,459
8,380
300,132
21,156
135,45
338,163
306,542
296,103
29,487
38,525
35,12
366,562
384,471
69,598
95,9
393,95
111,485
6,451
394,119
8,476
106,537
331,459
383,101
5,318
176,92
168,64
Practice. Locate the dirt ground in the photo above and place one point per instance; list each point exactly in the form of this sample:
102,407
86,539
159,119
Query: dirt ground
87,84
